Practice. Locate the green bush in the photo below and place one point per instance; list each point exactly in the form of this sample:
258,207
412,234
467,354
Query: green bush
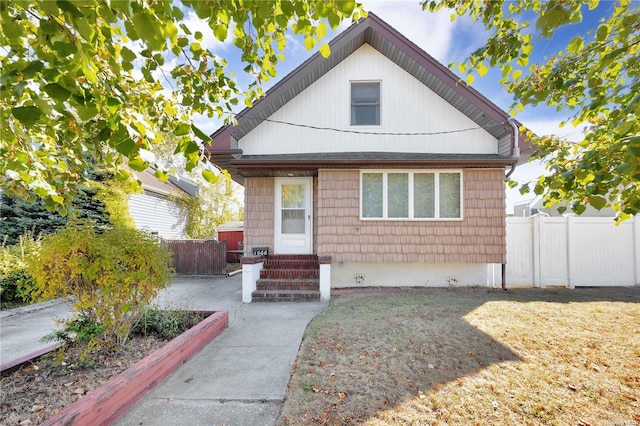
80,330
166,324
113,275
17,286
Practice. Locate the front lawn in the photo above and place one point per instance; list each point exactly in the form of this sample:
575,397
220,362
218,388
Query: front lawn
471,356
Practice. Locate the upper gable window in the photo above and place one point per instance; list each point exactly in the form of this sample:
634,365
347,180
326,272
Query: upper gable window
365,104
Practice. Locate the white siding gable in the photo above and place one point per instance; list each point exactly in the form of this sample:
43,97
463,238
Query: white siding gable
407,106
158,215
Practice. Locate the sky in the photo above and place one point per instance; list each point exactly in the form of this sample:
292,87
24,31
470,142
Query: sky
447,42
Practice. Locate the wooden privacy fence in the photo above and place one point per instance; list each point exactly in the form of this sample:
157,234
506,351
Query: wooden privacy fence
198,257
572,251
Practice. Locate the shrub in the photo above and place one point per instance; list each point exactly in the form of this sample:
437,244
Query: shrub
113,275
165,323
16,284
81,330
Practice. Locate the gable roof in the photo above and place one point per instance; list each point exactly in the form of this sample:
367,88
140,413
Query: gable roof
151,183
396,47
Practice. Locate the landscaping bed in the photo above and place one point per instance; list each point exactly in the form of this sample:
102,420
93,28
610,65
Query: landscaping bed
471,356
43,387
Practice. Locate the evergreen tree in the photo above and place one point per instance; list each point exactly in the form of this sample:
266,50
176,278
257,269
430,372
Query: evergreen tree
18,216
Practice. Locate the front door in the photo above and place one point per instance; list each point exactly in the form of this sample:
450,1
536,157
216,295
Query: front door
293,216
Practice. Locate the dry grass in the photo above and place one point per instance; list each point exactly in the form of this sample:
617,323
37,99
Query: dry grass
436,356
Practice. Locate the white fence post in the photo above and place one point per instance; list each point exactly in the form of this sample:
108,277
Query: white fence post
571,252
535,250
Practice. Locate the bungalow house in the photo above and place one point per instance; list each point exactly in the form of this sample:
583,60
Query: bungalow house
376,166
154,210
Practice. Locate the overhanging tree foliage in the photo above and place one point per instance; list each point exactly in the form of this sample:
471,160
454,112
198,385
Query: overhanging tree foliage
596,79
80,80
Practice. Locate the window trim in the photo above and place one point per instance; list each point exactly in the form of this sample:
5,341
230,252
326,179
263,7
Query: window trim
411,173
379,103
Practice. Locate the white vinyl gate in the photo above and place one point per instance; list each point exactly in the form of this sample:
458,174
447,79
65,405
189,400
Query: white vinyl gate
572,251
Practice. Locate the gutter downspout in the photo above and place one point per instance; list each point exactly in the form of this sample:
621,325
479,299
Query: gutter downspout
515,147
515,154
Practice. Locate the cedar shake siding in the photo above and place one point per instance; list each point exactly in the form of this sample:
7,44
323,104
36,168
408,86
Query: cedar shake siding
259,213
479,238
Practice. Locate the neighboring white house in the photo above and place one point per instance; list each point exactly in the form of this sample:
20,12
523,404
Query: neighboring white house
154,211
536,205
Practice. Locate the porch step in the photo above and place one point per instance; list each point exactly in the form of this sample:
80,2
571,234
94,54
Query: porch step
285,296
288,278
288,284
291,263
289,274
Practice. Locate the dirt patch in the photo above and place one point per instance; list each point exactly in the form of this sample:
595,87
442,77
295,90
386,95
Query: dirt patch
440,356
41,388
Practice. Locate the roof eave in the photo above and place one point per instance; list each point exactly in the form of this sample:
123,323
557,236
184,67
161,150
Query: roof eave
242,165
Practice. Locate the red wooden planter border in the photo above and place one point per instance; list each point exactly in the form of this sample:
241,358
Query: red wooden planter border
105,404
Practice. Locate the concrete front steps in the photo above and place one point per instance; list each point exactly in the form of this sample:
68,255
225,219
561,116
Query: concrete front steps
288,278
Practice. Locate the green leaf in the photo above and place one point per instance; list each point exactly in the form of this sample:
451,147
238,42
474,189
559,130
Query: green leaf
126,147
138,164
86,113
346,7
199,133
597,202
220,31
578,208
602,33
182,129
162,175
147,29
57,92
210,176
172,32
127,54
122,175
334,20
27,115
634,151
57,199
32,69
623,168
623,129
576,45
85,29
67,6
325,50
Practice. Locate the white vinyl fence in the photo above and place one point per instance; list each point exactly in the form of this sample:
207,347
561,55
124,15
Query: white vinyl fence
572,251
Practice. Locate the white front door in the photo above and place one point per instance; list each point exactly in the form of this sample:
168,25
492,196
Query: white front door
293,219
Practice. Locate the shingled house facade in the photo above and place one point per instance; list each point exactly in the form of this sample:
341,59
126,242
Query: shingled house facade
376,166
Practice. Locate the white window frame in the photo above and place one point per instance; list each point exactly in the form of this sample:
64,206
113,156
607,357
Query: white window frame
411,172
351,103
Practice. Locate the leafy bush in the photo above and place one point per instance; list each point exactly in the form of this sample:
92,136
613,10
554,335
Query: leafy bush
166,324
112,275
16,284
81,330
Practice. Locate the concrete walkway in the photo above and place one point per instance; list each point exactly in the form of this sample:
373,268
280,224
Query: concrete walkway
240,378
22,329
